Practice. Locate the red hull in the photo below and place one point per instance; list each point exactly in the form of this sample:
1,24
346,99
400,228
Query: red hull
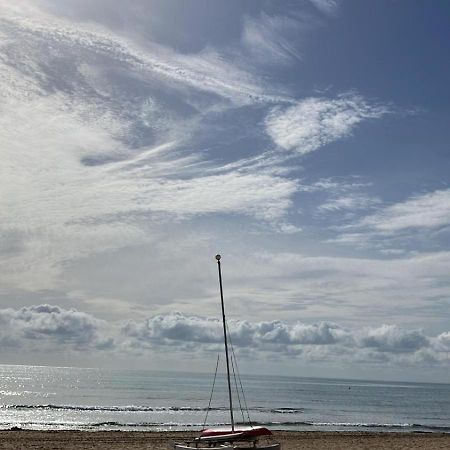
244,432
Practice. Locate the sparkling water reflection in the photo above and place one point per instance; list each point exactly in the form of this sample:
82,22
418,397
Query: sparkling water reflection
72,398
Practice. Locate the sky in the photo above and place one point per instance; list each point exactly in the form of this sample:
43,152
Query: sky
307,142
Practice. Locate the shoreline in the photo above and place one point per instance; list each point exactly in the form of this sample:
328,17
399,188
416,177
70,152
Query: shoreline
157,440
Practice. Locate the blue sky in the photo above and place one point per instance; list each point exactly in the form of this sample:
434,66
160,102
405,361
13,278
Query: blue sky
306,141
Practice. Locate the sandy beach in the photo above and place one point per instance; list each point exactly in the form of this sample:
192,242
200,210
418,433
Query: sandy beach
115,440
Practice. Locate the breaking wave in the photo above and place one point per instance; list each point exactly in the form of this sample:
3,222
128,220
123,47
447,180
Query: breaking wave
166,426
188,421
134,408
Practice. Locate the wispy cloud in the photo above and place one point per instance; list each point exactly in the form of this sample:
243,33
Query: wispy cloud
106,142
350,202
206,71
266,39
420,212
103,135
315,122
400,222
74,146
345,289
347,195
86,203
325,6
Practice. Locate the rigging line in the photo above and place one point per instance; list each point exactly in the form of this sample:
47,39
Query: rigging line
234,362
240,381
236,385
212,391
243,393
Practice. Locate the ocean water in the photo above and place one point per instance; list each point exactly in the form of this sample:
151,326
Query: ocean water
56,398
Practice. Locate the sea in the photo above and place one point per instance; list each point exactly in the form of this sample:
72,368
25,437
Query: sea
66,398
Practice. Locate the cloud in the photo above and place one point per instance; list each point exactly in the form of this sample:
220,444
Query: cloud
409,289
262,196
442,342
324,342
183,328
97,207
421,212
205,71
325,6
107,136
174,327
164,329
265,39
351,202
102,161
44,327
111,157
342,195
390,338
315,122
322,333
394,225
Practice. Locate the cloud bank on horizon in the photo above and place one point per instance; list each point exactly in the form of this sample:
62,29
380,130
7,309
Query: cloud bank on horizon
44,328
137,142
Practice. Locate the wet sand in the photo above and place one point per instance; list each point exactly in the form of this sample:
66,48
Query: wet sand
291,440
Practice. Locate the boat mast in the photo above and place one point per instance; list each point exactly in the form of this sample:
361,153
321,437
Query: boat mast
226,344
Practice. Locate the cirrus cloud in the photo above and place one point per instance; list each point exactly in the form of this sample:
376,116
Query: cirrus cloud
405,220
423,211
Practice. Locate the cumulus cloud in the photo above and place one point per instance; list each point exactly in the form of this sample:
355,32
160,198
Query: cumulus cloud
390,338
315,122
43,327
183,328
325,343
105,141
442,342
174,327
369,344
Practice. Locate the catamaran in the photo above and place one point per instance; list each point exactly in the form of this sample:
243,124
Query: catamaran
233,437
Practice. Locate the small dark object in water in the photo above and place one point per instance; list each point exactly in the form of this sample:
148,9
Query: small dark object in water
15,429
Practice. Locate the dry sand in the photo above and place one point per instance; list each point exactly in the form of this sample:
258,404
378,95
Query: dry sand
291,440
